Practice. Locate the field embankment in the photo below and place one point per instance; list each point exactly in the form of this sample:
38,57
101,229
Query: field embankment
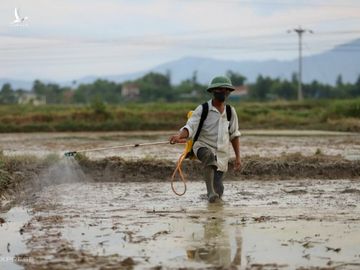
337,115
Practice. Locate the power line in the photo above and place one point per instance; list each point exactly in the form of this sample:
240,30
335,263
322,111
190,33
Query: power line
238,48
249,39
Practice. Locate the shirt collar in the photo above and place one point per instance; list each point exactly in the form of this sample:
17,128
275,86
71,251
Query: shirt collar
212,108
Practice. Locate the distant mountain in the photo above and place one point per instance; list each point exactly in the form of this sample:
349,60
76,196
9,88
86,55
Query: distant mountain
325,67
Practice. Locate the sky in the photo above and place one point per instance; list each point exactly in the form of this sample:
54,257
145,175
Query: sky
70,39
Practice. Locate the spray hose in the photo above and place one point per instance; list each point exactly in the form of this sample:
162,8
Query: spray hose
177,170
188,147
181,175
187,150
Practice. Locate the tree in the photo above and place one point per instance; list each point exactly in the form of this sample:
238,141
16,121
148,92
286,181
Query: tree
7,95
52,91
261,88
236,78
339,81
357,83
355,89
39,88
284,89
294,78
194,77
109,92
154,86
312,90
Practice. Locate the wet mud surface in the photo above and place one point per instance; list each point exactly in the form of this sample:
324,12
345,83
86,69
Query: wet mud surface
281,211
262,143
259,225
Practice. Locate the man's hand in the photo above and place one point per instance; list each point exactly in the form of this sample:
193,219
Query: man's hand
236,145
177,139
237,164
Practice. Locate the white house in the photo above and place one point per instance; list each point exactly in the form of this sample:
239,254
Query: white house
31,98
130,91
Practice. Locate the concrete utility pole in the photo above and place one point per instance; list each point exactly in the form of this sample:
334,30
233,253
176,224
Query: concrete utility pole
300,31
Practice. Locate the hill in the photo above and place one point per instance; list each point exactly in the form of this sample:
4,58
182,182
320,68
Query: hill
324,67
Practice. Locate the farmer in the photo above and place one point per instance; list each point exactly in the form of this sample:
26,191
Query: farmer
218,126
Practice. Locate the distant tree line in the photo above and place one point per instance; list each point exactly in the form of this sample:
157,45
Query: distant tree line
157,87
266,88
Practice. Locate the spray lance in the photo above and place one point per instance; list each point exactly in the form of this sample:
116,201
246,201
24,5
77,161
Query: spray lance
176,171
73,153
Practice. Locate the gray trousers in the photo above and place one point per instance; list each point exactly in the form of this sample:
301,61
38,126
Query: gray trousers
208,159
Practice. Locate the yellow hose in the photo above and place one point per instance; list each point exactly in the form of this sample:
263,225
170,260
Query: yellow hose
188,147
179,171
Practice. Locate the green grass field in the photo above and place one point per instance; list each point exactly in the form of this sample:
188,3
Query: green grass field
337,115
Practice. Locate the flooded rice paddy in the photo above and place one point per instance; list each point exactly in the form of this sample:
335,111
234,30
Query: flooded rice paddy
262,143
279,224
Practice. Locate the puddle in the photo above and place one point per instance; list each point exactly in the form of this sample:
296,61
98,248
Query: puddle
12,241
259,223
302,243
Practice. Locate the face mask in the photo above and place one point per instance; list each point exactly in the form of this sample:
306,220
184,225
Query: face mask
220,96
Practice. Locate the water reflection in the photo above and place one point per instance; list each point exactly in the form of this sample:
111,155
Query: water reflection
217,244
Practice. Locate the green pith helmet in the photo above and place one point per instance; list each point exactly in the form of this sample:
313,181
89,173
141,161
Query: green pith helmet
220,81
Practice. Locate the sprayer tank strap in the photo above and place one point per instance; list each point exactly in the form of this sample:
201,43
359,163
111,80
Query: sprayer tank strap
204,113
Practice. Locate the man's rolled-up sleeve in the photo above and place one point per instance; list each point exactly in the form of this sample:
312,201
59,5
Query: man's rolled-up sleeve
234,125
193,122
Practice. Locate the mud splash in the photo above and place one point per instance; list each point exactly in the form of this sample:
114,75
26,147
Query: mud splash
66,170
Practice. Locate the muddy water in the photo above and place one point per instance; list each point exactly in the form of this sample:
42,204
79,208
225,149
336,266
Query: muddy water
263,143
278,225
260,224
12,242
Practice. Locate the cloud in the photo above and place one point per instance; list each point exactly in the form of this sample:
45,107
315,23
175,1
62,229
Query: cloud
73,38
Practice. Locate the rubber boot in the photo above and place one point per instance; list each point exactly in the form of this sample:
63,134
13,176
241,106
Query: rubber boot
209,180
218,183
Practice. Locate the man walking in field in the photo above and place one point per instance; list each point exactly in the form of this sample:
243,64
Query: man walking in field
212,126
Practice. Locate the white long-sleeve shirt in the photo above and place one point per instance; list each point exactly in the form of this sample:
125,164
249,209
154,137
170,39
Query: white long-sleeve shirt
215,133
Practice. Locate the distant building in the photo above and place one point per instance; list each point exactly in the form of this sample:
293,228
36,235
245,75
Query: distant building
130,91
31,98
239,92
